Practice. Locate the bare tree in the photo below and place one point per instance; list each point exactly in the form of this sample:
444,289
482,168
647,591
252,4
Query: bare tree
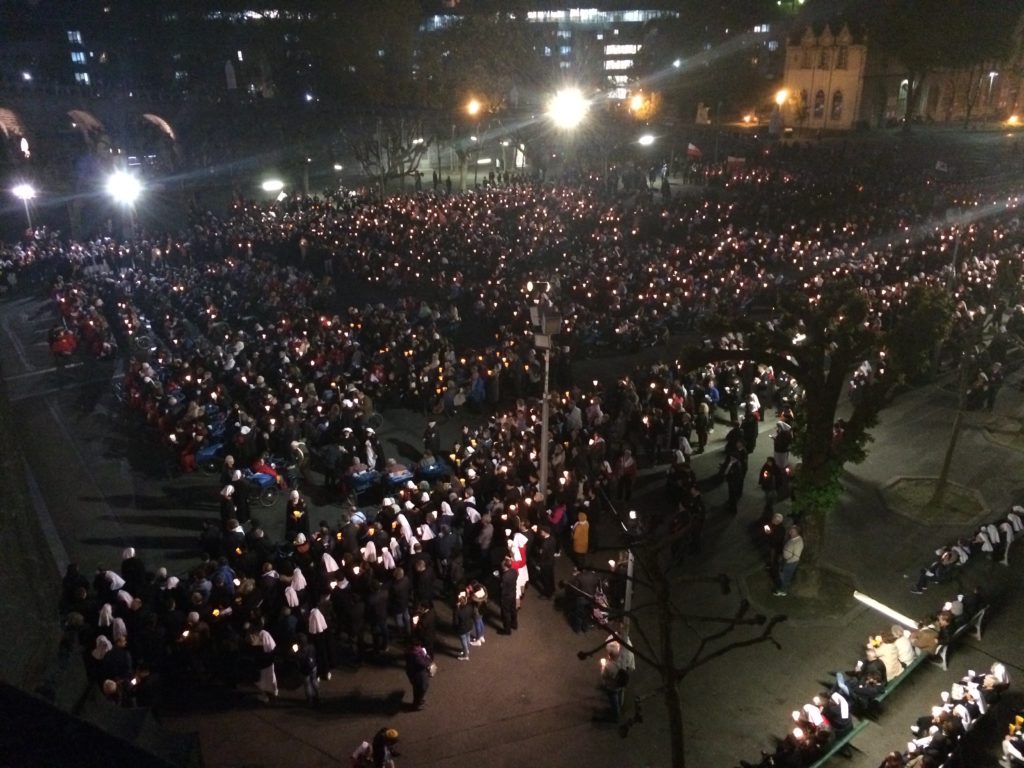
392,150
656,643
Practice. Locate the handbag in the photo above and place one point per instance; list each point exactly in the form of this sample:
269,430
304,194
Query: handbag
432,669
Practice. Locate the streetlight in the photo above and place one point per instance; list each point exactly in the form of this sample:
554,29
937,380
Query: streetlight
25,192
646,140
568,108
781,96
473,107
274,185
124,188
546,324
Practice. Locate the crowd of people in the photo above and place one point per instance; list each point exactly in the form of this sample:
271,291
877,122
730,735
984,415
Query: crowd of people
261,342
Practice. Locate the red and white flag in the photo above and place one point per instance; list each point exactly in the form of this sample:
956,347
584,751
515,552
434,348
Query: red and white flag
692,150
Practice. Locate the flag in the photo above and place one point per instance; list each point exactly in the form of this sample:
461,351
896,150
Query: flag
693,151
735,162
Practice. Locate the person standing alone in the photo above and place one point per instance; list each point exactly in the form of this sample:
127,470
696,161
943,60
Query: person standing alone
792,551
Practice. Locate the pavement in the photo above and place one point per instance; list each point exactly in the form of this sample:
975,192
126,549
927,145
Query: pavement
94,484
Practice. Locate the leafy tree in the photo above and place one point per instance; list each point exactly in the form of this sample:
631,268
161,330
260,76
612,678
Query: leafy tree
928,35
926,319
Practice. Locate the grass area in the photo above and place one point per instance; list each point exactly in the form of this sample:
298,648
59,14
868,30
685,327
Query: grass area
911,497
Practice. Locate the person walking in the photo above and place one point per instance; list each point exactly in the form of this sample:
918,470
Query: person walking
509,611
792,551
614,678
417,669
306,653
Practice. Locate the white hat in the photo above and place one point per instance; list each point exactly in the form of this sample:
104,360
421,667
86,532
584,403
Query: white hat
410,485
471,473
246,430
300,538
424,498
370,431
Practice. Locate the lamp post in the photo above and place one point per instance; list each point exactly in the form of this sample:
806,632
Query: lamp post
25,192
124,189
546,325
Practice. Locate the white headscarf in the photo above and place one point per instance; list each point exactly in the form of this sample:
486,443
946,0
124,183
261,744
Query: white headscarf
128,553
266,641
387,560
114,580
290,598
120,630
298,580
125,598
330,564
317,622
103,647
370,553
395,548
106,615
403,523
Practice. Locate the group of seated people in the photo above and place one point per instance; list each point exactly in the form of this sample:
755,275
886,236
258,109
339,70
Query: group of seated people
992,539
886,656
1013,743
937,735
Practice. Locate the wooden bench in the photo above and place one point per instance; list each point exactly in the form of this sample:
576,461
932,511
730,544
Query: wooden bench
841,742
939,657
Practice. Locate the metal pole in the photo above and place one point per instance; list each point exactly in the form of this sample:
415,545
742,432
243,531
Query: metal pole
28,216
544,436
627,604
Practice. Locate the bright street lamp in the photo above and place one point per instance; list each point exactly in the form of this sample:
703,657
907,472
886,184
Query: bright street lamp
782,96
272,185
568,108
25,192
473,107
646,140
124,188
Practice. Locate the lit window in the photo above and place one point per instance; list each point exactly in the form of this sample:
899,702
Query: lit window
618,64
180,75
773,45
547,50
619,50
82,77
819,104
78,57
565,34
565,65
600,36
74,36
619,79
565,50
240,57
842,57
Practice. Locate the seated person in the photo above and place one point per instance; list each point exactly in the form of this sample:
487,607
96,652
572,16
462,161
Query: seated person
904,647
865,683
1013,743
885,647
938,571
836,709
931,636
394,469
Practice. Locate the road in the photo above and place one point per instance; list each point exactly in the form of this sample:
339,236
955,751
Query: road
98,485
